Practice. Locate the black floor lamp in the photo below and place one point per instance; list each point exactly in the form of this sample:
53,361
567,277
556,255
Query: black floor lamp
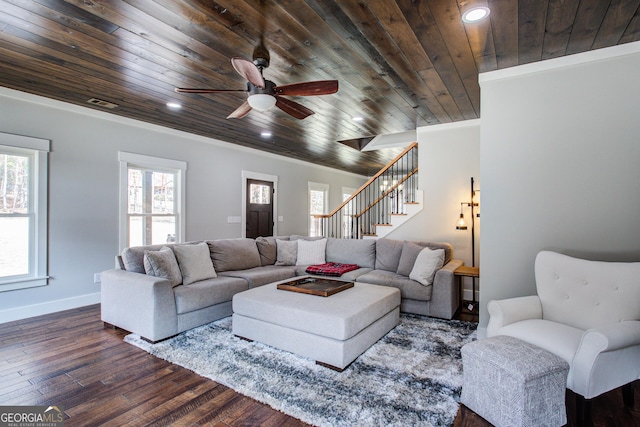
462,225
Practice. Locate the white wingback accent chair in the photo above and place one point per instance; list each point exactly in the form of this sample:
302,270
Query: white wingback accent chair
586,312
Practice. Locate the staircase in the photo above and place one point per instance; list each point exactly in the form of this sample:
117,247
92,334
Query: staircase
381,205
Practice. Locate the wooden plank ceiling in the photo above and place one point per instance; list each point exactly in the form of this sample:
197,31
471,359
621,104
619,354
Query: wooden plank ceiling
400,64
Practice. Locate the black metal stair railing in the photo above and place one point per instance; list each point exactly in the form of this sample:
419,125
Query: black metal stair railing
387,193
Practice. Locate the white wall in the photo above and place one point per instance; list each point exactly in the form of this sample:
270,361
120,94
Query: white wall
560,156
83,190
448,156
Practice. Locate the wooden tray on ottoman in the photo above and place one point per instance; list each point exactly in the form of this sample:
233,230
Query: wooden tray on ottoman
315,286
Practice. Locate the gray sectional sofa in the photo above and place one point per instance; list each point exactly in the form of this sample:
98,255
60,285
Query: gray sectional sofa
157,308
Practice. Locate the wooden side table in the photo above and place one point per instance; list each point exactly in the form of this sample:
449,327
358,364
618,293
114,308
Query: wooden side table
474,273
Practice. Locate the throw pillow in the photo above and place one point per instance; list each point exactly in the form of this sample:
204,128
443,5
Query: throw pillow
195,262
428,262
311,252
267,249
287,252
163,264
408,256
388,252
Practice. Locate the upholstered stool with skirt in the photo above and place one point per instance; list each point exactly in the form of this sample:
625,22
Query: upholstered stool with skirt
512,383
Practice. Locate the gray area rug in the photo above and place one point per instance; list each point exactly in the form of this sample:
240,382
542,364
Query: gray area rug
411,377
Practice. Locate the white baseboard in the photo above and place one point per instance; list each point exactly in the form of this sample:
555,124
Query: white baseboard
467,295
27,311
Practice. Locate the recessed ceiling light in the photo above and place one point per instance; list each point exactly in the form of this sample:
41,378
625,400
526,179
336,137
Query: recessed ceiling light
174,105
265,134
357,119
475,14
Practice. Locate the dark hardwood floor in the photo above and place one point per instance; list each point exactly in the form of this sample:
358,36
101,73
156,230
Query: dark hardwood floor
70,359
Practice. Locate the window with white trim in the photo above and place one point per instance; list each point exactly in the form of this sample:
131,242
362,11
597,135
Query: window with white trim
23,211
151,200
318,203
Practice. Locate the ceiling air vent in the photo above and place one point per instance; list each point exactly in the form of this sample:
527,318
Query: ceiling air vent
102,103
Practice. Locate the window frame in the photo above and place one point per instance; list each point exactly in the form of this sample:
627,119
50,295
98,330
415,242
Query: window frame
38,150
316,186
156,164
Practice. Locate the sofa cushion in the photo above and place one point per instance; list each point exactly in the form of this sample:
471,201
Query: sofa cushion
408,256
287,251
388,253
206,293
408,288
262,275
561,340
410,251
352,276
195,262
428,262
352,251
234,254
311,252
162,263
267,250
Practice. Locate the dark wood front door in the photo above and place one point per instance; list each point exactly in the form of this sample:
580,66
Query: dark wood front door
259,208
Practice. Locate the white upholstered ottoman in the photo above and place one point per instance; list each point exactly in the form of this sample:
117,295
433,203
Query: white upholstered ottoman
332,330
509,382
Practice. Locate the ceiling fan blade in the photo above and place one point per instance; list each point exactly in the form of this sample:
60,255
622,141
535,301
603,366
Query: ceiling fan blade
193,90
320,87
249,71
298,111
240,112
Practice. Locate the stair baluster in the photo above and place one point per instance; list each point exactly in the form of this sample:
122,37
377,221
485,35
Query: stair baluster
385,194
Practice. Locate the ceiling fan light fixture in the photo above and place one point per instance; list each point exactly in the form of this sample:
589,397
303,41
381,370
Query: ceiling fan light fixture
475,14
261,101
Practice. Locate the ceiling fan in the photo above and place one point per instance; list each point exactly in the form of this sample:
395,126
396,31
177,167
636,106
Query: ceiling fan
264,94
